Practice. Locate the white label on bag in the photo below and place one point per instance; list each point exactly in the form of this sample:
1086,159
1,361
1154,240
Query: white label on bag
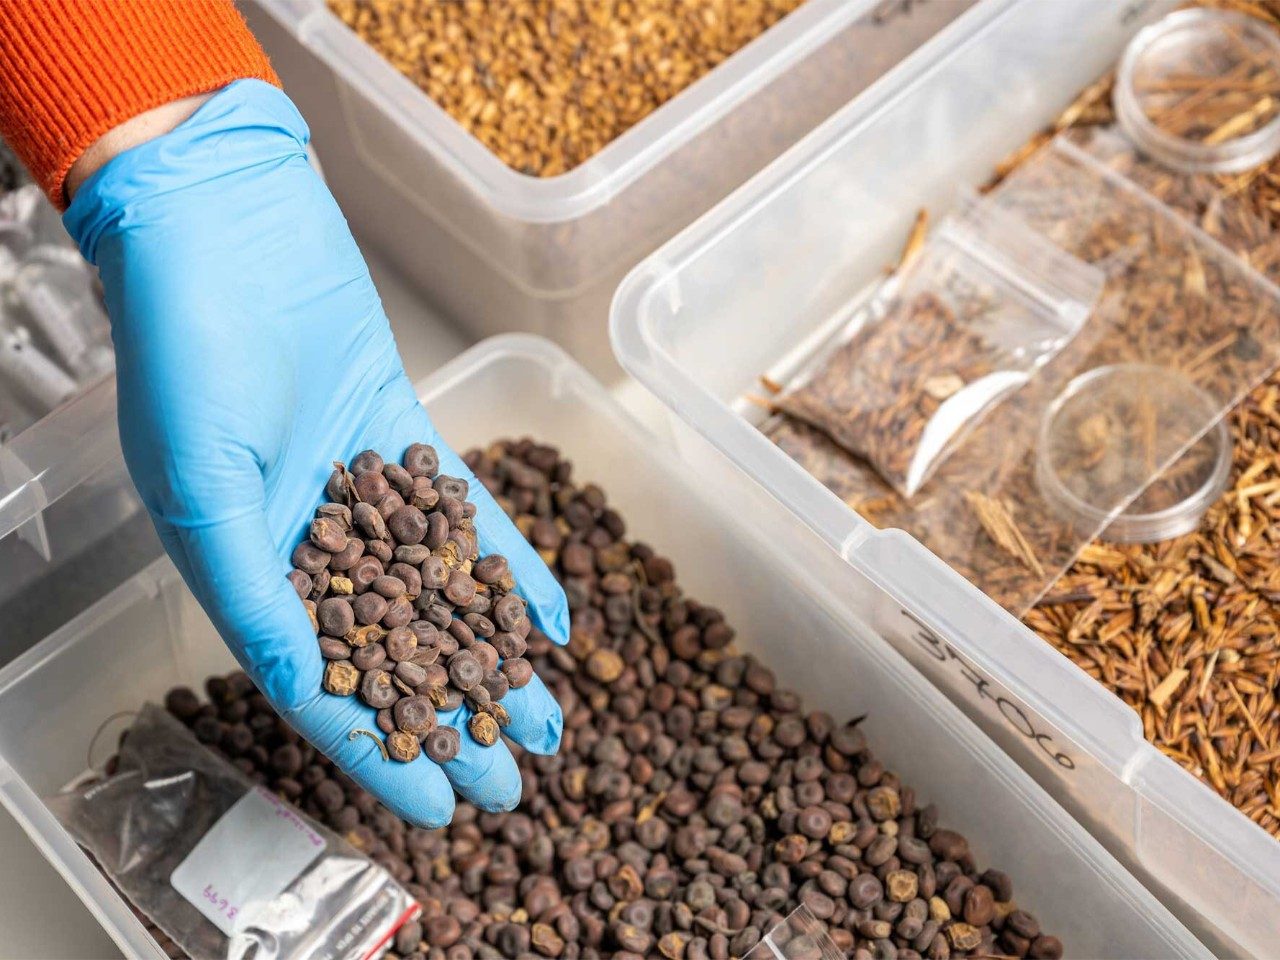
247,859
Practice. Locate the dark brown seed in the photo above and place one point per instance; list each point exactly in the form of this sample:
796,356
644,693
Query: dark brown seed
336,617
411,673
399,613
371,486
461,588
484,729
328,534
434,572
369,657
301,581
518,672
421,460
437,532
309,558
402,746
488,570
401,643
398,478
465,670
377,690
368,520
332,649
454,487
366,461
442,744
363,572
414,715
496,683
388,586
346,557
407,525
369,607
385,721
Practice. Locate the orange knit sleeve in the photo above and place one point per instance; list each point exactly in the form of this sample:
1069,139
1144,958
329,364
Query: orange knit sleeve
70,70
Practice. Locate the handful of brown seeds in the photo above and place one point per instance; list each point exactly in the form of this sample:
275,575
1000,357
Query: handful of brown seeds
408,615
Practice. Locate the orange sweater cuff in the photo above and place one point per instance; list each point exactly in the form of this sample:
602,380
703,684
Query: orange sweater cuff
70,70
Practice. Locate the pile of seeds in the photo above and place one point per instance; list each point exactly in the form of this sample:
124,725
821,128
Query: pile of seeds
693,804
545,84
407,613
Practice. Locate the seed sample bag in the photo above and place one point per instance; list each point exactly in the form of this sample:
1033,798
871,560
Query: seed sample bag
1182,331
227,869
984,305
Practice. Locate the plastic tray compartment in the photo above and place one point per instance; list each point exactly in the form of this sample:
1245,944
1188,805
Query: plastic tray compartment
150,634
498,251
736,293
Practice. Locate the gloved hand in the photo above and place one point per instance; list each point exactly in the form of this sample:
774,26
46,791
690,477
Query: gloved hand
252,350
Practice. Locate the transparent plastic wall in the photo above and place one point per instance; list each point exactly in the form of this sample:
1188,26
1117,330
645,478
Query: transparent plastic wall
769,268
776,583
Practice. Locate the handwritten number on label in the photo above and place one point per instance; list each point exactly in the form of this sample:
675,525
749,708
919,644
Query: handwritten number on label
1010,711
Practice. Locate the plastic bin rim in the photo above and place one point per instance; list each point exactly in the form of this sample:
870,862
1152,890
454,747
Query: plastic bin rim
25,805
596,181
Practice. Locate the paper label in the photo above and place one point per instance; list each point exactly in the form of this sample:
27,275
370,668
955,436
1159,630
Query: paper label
248,858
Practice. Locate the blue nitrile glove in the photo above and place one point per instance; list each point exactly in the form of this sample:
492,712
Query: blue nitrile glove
252,350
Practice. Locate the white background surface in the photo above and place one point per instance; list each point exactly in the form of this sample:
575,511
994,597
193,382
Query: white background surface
40,917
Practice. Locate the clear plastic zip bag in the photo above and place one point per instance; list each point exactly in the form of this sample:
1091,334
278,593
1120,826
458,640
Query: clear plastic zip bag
982,307
1183,330
225,868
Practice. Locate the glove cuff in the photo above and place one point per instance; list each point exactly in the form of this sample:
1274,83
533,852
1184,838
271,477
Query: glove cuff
70,70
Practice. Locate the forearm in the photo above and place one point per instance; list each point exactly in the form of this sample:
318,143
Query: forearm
81,80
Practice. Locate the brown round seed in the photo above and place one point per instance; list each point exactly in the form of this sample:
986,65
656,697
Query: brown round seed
465,670
421,460
377,689
518,672
434,572
442,744
388,586
369,657
408,525
461,588
490,569
309,558
301,581
401,643
328,534
414,715
369,607
335,616
333,649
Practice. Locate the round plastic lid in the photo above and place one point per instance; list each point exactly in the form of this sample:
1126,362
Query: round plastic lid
1106,437
1200,91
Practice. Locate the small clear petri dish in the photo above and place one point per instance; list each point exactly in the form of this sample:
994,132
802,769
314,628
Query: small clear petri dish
1105,439
1199,91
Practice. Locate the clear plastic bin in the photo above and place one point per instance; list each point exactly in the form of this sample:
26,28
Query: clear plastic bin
785,594
498,251
738,293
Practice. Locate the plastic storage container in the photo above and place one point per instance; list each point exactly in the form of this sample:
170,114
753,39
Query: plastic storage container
777,262
499,251
70,525
783,593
